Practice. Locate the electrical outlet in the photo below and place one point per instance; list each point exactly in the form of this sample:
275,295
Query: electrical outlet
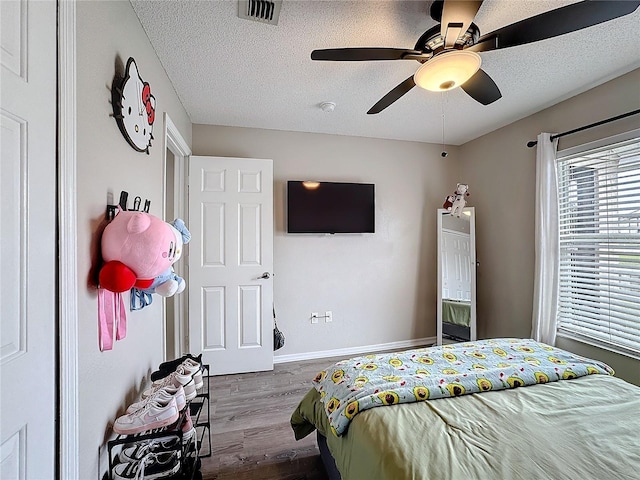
328,316
314,317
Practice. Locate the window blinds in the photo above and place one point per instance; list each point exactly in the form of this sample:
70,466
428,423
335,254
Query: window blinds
599,225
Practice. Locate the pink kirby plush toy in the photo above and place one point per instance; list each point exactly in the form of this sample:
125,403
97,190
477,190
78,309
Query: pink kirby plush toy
138,247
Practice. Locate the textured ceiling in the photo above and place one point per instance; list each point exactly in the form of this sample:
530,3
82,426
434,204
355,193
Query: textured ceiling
230,71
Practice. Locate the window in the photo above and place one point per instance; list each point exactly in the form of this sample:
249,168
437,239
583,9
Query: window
599,263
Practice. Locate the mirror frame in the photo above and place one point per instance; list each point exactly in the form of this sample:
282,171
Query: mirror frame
472,241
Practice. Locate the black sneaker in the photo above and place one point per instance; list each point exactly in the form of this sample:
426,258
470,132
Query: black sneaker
169,442
142,449
165,368
150,467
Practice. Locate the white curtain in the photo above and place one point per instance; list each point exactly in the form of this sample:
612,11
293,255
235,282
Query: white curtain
545,293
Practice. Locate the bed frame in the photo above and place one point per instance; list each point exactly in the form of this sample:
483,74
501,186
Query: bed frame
327,459
456,332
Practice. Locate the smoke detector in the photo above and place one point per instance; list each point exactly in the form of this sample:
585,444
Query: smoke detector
263,11
327,106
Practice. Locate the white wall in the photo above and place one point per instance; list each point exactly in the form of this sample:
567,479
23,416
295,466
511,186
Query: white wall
109,32
501,172
380,287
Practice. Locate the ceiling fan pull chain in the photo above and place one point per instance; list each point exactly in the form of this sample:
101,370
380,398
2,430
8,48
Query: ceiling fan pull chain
442,94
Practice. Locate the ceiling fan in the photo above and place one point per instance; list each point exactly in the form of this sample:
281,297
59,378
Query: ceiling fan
449,52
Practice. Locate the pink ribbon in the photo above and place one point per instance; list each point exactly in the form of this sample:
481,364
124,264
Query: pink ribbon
112,318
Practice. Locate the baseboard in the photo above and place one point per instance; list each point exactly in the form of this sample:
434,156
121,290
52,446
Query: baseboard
341,352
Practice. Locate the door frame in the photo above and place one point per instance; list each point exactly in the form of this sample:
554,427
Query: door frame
68,401
176,144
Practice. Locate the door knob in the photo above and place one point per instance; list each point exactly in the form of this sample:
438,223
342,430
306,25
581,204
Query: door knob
265,275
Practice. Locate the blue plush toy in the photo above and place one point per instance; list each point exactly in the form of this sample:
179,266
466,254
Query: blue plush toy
167,284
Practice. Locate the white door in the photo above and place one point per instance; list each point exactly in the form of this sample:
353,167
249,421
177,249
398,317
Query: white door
28,238
231,263
456,266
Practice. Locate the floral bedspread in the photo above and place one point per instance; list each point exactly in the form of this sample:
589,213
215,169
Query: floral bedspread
354,385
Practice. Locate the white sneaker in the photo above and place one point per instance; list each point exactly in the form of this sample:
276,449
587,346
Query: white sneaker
152,415
189,437
174,379
163,396
192,368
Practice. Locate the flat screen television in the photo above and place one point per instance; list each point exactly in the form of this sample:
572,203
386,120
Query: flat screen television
330,207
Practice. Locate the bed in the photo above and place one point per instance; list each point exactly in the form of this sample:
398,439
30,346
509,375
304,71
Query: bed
554,415
456,319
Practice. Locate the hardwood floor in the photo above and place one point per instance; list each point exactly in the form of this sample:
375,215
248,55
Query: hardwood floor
251,436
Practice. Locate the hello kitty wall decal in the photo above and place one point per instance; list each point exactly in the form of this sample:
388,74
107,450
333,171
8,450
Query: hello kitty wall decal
134,108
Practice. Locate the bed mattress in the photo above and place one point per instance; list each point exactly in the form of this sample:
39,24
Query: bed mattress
584,428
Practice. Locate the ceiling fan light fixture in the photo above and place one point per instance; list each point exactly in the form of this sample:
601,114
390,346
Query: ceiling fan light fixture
447,70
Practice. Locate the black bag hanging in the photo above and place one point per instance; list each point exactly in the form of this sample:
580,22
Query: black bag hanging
278,336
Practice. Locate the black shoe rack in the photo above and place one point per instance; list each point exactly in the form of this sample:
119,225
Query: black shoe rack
199,409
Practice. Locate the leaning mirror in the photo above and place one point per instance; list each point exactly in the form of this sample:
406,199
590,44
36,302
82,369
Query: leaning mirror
456,316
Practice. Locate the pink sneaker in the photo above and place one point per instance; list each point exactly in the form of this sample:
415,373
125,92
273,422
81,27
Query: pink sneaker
152,415
188,432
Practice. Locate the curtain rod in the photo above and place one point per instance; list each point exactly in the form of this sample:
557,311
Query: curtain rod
533,143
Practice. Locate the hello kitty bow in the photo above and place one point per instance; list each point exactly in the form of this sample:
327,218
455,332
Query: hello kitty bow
149,103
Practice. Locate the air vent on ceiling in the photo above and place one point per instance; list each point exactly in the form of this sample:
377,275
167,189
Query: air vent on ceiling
265,11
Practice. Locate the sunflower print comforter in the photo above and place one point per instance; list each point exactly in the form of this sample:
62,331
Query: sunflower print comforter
354,385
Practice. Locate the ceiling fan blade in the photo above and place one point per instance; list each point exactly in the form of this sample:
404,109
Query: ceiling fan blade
392,96
569,18
482,88
359,54
456,17
436,10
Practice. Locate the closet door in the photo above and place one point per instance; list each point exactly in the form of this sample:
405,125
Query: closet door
28,237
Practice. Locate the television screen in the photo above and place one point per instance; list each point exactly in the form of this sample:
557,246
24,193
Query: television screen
330,207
